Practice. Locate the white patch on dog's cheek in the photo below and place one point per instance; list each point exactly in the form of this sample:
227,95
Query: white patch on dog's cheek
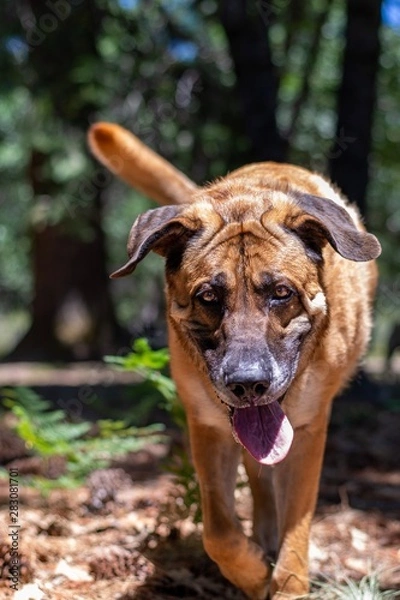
318,303
277,372
282,375
299,325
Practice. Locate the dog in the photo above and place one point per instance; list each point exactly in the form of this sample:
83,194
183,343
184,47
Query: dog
270,277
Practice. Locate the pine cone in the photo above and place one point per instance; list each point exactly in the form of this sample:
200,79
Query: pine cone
11,446
22,570
51,467
114,561
103,485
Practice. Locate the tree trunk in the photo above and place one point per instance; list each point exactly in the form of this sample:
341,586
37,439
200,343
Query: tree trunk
349,156
66,265
257,79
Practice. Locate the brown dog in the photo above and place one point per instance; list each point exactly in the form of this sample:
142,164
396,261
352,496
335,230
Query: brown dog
269,295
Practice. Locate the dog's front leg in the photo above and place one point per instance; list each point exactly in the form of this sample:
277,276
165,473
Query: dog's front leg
296,482
216,456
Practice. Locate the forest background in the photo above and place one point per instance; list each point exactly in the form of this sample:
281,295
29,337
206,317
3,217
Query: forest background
208,85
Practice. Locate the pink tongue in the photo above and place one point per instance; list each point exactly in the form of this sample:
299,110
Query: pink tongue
264,431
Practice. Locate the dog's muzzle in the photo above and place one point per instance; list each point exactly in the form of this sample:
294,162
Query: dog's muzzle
258,422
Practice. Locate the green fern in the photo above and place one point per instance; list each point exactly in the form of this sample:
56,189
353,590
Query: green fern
142,357
148,364
49,433
45,432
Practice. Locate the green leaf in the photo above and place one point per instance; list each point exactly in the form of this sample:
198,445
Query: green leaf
50,433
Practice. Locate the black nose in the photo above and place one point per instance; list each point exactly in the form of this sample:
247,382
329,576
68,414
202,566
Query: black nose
247,389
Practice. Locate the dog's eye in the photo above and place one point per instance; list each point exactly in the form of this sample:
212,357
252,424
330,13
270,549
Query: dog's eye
282,292
207,297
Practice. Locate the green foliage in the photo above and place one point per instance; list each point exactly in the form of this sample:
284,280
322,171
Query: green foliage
83,446
142,359
104,60
148,363
366,589
44,431
163,70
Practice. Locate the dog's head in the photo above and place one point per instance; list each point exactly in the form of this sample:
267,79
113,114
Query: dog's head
244,279
244,269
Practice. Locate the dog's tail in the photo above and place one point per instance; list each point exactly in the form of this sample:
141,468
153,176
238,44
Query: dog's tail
126,156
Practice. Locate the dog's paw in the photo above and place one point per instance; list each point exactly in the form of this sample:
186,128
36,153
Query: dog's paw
248,570
286,585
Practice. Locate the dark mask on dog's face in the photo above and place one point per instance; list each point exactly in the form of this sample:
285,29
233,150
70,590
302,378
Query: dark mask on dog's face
245,290
249,312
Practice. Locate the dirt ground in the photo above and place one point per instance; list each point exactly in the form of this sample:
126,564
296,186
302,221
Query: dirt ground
127,533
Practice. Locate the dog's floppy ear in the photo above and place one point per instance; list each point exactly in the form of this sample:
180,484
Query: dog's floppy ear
324,220
131,160
161,230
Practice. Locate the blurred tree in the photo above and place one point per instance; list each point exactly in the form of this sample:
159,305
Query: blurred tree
68,248
350,154
156,72
248,27
164,70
